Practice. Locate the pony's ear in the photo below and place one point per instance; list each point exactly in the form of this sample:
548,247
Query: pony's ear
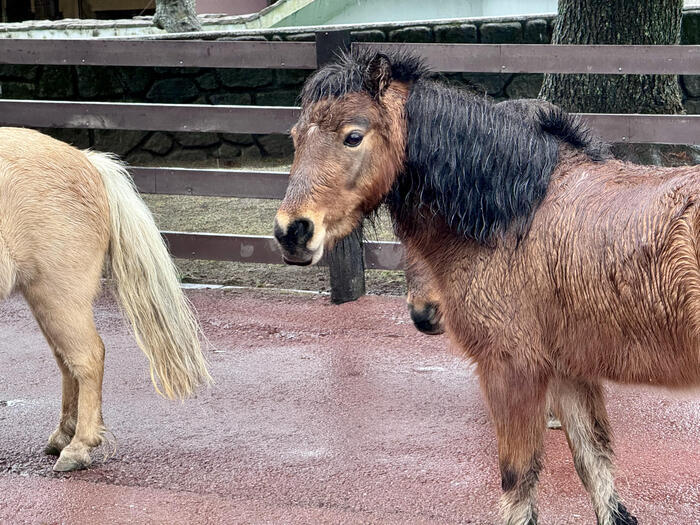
378,75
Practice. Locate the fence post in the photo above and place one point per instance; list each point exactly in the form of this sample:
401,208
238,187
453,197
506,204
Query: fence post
346,261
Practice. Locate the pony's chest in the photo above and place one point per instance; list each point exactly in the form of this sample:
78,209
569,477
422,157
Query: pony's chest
487,295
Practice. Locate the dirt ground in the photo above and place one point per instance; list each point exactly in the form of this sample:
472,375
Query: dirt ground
320,414
255,217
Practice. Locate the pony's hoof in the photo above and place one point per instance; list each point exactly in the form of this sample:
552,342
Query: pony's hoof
70,460
58,440
52,450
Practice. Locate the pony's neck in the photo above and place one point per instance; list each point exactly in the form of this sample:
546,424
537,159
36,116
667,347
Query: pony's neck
476,169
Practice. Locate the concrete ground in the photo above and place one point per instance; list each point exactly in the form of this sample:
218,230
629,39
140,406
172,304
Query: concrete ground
320,414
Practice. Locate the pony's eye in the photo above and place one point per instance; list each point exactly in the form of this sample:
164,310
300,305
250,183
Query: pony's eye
353,139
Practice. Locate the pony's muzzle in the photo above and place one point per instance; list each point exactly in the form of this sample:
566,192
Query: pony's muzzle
427,318
294,239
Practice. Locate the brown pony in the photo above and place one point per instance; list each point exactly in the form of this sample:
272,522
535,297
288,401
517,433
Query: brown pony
557,266
64,212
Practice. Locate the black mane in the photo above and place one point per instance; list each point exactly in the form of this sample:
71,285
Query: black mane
349,74
477,167
569,128
481,167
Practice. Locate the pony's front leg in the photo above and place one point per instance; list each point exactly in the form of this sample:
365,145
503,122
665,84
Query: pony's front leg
60,437
581,407
516,397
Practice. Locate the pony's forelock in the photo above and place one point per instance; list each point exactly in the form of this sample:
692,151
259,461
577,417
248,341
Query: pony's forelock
348,74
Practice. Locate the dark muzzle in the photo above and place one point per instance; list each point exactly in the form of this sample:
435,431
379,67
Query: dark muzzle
293,241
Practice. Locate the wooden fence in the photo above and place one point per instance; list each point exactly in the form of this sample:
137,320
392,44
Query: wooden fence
350,259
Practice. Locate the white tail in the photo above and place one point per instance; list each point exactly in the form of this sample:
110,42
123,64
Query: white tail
148,286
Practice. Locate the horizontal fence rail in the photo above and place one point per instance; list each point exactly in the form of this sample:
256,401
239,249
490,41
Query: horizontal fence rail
148,117
482,58
549,58
210,182
662,129
160,53
379,255
659,129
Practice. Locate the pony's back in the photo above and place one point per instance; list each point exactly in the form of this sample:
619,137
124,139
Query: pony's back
615,246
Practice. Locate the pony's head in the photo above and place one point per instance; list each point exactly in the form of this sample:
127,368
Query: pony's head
350,144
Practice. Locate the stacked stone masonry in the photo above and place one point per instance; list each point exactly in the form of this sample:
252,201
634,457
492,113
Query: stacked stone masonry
263,87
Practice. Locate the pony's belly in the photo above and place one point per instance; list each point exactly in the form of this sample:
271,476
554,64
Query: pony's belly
663,360
588,350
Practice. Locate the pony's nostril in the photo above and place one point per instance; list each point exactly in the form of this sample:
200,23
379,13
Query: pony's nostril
301,230
293,240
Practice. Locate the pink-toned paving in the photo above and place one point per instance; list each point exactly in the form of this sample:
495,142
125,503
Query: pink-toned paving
319,414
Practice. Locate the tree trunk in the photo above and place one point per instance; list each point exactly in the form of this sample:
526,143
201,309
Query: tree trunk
46,9
176,16
647,22
85,9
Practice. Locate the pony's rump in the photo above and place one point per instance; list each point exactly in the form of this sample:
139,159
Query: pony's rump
63,214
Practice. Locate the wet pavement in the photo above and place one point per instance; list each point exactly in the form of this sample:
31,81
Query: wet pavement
320,414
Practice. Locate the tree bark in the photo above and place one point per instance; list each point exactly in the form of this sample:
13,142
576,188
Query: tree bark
46,9
176,16
647,22
85,10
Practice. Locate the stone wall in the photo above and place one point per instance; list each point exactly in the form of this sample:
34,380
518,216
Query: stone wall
266,87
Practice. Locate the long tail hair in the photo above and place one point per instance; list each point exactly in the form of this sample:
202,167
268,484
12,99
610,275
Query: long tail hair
148,287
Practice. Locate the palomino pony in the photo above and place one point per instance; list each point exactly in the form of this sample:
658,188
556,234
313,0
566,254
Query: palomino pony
557,266
62,213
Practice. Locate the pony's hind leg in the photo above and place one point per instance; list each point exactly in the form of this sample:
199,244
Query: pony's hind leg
581,408
69,327
517,403
62,436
